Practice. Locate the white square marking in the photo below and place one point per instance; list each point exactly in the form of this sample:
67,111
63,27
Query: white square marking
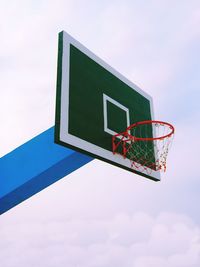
105,113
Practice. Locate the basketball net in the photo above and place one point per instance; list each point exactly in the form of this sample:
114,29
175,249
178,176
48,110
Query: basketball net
145,144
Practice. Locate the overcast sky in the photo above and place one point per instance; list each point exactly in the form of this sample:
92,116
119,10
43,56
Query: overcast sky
100,215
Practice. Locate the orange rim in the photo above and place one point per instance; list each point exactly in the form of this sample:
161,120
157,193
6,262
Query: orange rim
171,129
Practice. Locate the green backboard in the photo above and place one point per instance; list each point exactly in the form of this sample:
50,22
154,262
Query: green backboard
94,102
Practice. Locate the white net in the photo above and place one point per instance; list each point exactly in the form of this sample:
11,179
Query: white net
145,144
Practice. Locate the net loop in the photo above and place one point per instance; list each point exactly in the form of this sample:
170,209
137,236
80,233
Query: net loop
146,144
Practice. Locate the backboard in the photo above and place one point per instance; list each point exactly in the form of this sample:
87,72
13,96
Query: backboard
94,102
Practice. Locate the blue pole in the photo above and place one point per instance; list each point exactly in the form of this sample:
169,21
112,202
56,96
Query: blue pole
33,166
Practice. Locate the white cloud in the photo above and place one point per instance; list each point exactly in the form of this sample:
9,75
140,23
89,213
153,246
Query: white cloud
124,239
101,215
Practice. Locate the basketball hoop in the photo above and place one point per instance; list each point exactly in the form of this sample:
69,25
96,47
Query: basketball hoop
145,144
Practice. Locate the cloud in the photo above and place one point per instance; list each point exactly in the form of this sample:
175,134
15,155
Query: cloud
101,215
171,239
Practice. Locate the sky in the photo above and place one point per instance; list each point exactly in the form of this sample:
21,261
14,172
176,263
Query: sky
100,215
